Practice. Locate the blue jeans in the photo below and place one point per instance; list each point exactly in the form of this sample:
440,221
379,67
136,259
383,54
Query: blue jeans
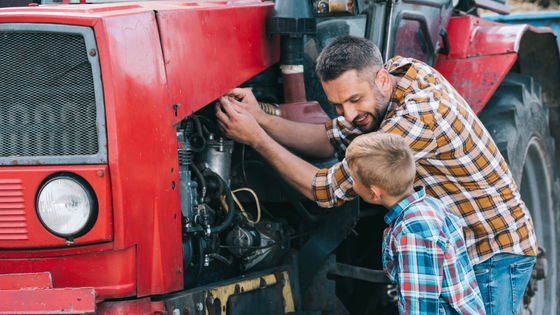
502,280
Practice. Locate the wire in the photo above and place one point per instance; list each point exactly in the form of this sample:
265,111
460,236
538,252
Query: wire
241,206
243,209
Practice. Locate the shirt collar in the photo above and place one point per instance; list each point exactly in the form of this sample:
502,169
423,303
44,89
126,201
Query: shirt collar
403,67
418,195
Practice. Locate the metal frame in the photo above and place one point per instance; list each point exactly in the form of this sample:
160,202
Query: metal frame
91,45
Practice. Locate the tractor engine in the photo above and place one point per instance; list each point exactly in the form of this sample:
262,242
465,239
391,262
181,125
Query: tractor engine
225,231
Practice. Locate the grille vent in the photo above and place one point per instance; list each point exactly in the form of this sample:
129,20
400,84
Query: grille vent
13,224
47,97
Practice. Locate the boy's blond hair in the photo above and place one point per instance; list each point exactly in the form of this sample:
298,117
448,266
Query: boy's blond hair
384,160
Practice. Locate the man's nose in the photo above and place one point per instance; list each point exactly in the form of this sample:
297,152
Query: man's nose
349,112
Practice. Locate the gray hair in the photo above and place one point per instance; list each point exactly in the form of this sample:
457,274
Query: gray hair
347,53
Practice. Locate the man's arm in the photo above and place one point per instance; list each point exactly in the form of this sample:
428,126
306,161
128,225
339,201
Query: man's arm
238,124
309,139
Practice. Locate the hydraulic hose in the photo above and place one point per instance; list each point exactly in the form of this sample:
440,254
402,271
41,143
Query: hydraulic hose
198,174
230,214
231,209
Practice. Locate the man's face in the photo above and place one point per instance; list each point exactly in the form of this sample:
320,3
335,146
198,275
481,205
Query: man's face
357,100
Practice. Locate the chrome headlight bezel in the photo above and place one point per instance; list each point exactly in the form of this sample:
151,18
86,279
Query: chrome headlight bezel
89,192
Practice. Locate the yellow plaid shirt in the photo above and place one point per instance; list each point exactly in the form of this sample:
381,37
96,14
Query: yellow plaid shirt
456,160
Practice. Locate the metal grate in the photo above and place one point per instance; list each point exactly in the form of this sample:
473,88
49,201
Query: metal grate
47,97
13,224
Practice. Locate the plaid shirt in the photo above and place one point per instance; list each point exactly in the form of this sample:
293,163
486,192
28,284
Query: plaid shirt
456,160
425,255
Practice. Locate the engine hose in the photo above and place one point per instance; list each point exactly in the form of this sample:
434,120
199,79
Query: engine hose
229,217
199,133
198,174
209,173
231,206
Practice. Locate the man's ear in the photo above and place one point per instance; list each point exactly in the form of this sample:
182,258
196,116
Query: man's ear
383,81
376,193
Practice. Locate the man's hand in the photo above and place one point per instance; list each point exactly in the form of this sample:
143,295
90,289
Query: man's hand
236,121
244,98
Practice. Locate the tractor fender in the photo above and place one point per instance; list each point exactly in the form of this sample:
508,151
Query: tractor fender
482,52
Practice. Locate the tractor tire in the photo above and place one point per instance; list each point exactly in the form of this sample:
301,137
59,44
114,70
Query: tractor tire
519,124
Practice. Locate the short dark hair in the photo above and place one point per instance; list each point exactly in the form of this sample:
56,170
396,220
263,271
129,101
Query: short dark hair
347,53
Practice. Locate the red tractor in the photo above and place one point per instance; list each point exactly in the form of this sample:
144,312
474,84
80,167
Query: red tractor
119,194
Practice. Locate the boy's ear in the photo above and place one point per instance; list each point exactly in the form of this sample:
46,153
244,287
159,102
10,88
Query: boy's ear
376,193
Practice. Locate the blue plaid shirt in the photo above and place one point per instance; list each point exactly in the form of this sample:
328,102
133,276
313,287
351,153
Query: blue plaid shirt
424,253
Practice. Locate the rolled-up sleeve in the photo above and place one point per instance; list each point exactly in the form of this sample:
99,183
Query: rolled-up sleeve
333,186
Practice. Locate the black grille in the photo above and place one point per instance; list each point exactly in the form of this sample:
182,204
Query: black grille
47,98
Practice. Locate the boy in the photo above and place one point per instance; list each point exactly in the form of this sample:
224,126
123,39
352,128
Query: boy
424,251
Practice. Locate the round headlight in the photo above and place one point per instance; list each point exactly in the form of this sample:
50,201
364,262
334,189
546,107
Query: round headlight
65,206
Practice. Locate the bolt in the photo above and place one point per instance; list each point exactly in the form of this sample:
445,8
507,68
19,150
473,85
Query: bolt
199,306
92,52
100,173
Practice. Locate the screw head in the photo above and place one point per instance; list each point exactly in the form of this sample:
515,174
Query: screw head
199,306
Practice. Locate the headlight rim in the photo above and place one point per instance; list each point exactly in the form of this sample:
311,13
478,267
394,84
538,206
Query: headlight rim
90,192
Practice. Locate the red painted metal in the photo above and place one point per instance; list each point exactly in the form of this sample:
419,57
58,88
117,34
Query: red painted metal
39,280
140,307
19,225
111,273
476,79
144,167
140,88
482,53
218,49
48,301
33,293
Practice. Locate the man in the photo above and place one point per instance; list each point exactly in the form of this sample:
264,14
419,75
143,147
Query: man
456,159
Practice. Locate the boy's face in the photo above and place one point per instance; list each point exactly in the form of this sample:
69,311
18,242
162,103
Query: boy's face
362,190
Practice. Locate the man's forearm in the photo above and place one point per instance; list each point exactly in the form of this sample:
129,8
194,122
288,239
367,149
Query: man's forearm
294,170
309,139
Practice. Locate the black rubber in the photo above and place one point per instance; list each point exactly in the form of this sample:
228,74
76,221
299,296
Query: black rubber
518,122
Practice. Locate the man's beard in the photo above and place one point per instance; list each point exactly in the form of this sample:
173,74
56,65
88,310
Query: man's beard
379,112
